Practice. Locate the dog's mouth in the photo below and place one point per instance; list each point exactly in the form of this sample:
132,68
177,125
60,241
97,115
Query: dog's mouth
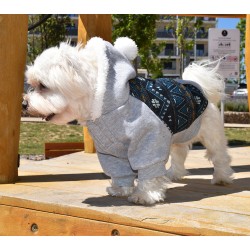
48,117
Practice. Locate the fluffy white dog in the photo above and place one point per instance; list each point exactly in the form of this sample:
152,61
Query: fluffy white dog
135,123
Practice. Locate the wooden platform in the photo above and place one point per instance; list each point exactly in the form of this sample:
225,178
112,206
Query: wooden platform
66,196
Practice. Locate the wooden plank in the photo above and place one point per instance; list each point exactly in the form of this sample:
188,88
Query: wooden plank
73,186
58,149
90,25
15,221
169,218
56,153
184,213
247,56
64,145
13,46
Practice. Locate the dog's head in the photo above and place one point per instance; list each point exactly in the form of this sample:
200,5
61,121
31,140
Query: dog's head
69,83
61,84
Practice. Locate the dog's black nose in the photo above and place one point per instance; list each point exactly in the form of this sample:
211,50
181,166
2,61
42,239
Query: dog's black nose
25,105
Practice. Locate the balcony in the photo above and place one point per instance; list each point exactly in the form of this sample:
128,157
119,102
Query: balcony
164,34
168,53
188,35
202,35
207,19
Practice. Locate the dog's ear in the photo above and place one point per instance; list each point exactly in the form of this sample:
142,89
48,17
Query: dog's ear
69,54
127,47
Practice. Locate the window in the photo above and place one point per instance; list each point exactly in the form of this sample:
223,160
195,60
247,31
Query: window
170,65
169,49
200,50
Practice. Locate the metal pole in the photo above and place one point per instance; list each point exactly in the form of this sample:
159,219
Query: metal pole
222,104
195,38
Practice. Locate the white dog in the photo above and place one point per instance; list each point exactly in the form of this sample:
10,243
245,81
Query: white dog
135,126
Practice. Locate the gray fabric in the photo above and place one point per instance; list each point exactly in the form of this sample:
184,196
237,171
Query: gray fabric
131,136
128,136
117,89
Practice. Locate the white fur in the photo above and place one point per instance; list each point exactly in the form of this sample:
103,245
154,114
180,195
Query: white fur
75,79
127,47
205,74
216,144
97,45
71,89
120,191
149,192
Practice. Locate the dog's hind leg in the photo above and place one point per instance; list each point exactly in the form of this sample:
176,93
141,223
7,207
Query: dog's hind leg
213,138
179,154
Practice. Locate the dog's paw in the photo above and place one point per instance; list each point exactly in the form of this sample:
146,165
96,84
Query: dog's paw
120,191
147,198
223,177
175,175
149,192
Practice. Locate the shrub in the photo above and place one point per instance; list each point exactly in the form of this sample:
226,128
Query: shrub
236,105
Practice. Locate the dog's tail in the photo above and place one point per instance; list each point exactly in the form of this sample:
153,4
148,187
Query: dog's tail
205,74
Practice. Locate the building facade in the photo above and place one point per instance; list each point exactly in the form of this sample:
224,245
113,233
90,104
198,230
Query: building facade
165,33
170,56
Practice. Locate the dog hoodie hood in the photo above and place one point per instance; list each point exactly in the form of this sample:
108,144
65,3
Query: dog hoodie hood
114,72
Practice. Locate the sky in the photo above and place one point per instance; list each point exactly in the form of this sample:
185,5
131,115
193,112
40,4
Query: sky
227,23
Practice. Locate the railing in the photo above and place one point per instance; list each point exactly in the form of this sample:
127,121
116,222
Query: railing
171,52
165,34
204,19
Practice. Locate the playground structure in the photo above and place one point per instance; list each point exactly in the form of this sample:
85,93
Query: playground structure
13,46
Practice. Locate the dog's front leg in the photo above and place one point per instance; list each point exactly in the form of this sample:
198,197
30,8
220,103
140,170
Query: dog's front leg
150,190
121,174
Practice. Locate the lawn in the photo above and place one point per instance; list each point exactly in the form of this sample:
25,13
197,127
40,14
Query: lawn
34,135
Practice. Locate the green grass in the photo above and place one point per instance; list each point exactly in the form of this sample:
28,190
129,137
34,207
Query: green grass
238,136
237,105
34,135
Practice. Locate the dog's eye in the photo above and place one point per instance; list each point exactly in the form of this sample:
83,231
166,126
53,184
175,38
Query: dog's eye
42,86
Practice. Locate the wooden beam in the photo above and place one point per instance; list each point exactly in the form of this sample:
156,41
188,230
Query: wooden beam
13,46
214,15
89,26
247,57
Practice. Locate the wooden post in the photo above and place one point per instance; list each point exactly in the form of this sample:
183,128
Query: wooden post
13,46
91,25
247,56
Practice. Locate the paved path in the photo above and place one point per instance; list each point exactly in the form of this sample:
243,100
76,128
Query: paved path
32,119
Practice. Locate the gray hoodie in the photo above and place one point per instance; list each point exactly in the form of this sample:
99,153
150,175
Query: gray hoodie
129,137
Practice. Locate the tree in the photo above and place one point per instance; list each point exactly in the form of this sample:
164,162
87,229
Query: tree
141,28
242,27
47,34
185,29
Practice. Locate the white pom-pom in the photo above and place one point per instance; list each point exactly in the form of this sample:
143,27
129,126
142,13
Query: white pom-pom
127,47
